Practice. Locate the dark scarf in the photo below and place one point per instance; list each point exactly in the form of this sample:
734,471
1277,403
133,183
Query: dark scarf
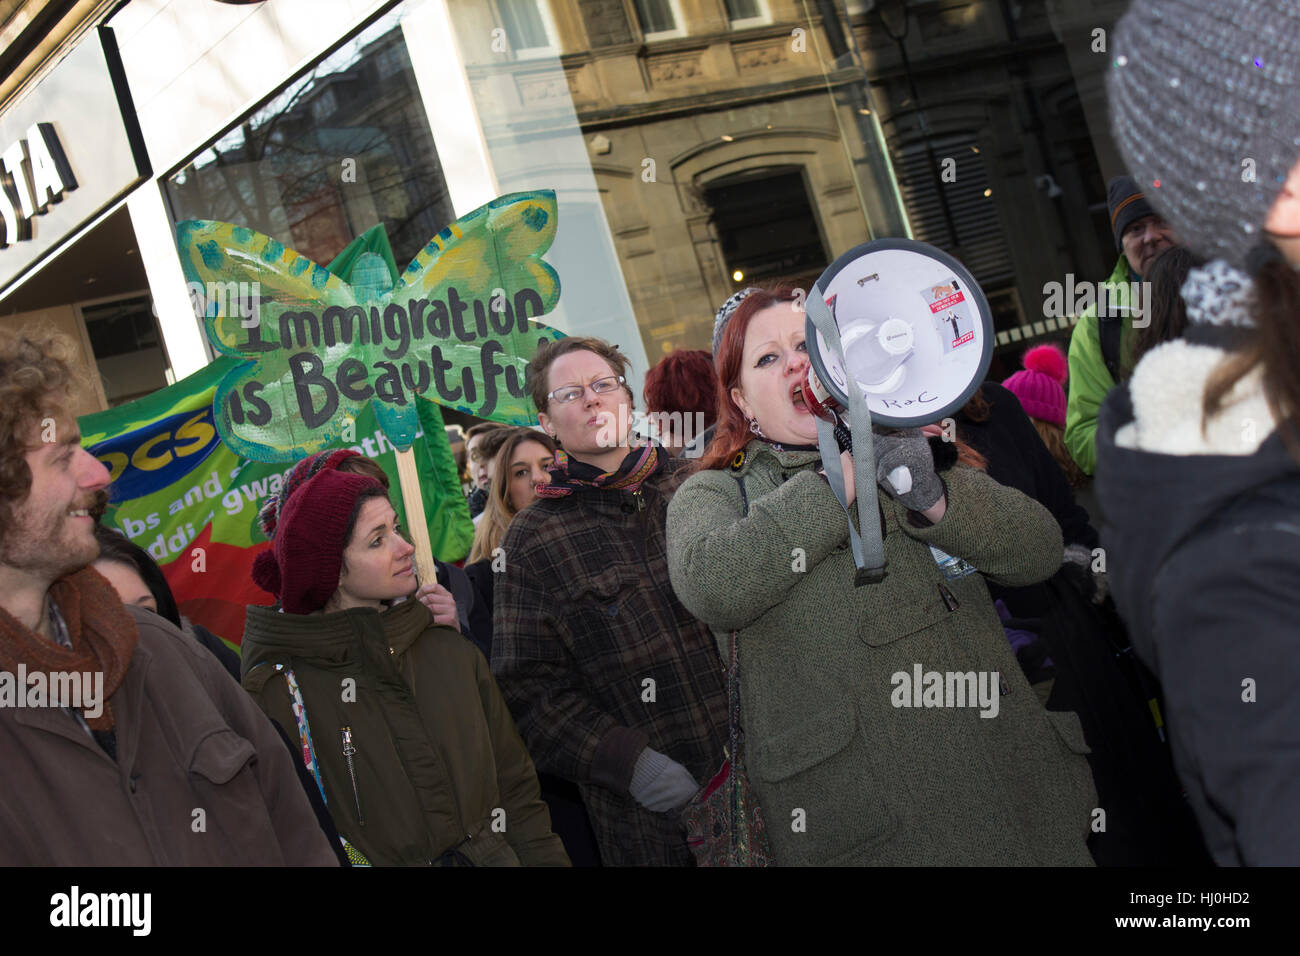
569,475
102,632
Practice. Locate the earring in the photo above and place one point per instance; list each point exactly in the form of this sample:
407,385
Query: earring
755,428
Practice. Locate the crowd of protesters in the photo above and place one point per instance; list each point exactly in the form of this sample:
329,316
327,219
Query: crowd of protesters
636,604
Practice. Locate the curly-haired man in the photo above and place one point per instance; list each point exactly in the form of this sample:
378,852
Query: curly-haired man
123,742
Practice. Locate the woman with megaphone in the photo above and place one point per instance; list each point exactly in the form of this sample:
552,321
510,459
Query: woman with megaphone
885,724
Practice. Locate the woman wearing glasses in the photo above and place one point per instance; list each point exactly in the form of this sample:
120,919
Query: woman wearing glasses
613,684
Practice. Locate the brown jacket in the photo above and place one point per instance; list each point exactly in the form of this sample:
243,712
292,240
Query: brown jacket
202,778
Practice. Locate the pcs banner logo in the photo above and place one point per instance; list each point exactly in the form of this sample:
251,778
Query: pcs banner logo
151,458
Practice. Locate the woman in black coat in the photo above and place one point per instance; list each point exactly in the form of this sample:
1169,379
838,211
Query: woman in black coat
1198,462
1084,651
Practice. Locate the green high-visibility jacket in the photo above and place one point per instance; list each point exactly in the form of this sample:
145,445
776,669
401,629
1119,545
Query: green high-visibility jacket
1090,380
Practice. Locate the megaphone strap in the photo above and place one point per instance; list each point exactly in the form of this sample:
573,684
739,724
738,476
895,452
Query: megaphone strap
865,538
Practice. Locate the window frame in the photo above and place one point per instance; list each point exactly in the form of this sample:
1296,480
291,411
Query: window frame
548,27
763,19
677,32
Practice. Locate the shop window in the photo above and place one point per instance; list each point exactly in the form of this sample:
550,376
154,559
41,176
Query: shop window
659,19
342,148
128,350
766,227
323,106
391,62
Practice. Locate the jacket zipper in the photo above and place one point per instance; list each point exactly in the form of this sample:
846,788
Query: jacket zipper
349,750
949,601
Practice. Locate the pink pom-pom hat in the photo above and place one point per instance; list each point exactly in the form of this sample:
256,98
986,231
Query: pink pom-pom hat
1039,384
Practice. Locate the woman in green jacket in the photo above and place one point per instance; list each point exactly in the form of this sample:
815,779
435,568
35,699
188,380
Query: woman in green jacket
399,718
889,723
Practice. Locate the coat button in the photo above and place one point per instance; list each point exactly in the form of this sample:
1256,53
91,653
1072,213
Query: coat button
134,778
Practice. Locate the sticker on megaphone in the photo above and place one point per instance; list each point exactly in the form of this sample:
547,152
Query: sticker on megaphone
916,332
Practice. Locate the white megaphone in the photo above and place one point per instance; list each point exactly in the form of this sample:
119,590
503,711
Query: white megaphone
915,330
876,353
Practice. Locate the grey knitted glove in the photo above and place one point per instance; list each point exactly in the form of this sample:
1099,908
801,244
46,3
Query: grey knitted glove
905,467
660,783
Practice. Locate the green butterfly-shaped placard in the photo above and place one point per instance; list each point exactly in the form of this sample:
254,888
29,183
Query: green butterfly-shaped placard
458,328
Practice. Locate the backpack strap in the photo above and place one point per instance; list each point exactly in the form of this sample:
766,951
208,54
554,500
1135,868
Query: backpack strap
1110,329
355,856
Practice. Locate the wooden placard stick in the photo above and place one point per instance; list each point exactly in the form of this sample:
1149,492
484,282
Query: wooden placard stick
409,479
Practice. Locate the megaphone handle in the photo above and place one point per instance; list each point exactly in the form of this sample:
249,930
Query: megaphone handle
843,437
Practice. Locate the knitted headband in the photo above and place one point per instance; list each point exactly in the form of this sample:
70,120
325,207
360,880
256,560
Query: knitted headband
725,312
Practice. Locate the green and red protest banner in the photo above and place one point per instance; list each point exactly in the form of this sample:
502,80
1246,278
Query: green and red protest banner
348,355
317,350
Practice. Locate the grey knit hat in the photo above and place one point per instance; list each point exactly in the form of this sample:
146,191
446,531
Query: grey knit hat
1205,109
725,312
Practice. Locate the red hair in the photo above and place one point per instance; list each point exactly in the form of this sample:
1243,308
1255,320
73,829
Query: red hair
683,381
733,433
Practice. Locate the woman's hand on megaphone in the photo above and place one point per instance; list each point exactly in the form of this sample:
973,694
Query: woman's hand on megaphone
905,467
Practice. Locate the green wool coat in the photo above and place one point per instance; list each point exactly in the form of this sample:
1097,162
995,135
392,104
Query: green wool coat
843,774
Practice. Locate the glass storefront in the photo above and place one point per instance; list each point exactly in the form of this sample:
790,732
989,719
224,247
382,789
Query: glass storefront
696,146
342,148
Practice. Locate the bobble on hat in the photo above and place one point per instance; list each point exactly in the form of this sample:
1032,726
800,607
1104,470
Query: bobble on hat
266,573
1049,360
1039,385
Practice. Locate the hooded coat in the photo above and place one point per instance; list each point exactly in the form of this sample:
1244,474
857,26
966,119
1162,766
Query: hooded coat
846,766
1203,546
438,772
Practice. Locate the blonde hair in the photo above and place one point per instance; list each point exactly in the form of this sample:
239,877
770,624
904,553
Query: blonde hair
500,511
1053,436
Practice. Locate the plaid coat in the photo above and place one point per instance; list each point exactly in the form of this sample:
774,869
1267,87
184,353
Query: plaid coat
597,658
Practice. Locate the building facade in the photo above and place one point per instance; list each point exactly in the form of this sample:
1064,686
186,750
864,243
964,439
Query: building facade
695,146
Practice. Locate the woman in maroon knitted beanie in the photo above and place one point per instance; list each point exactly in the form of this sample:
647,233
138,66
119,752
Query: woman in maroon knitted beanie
399,718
